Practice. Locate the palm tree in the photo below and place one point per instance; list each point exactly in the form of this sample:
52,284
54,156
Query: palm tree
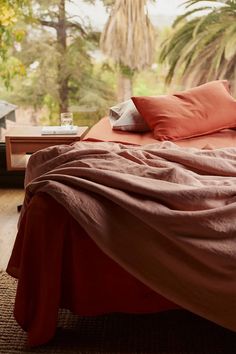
128,38
203,48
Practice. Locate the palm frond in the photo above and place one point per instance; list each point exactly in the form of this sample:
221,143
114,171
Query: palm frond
203,48
189,3
129,36
184,17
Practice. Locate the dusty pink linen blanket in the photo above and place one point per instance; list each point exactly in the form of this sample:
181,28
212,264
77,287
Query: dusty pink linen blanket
166,214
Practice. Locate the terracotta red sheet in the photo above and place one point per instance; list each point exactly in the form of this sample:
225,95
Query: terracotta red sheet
58,265
102,132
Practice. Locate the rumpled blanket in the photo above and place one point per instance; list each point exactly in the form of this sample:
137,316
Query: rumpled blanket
166,214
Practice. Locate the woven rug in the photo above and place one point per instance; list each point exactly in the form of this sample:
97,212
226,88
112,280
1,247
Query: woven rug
171,332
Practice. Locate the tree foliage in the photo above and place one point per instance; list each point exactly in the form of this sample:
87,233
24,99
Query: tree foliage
11,13
203,44
57,53
58,57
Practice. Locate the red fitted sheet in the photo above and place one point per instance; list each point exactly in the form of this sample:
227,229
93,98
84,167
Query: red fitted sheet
102,132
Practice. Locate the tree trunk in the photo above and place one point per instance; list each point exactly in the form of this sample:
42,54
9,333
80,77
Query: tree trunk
125,87
63,88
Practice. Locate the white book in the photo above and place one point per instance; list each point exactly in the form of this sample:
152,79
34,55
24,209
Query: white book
59,130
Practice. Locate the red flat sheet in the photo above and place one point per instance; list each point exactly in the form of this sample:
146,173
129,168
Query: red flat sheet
58,265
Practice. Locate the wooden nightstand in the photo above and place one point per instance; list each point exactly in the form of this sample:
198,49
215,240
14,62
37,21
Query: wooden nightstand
24,140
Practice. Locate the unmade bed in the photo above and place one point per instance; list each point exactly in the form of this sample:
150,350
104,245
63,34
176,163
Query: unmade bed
117,256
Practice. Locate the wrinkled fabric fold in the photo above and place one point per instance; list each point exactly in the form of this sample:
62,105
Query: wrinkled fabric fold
166,214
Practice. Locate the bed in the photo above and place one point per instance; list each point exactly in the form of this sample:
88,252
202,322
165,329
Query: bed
108,289
58,263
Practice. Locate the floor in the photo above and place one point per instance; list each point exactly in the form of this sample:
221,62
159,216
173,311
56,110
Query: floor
9,199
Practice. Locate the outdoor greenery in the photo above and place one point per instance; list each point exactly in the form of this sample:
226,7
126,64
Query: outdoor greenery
60,73
202,46
50,60
56,70
51,65
11,32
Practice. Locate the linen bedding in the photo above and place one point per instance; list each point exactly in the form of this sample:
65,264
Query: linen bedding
162,212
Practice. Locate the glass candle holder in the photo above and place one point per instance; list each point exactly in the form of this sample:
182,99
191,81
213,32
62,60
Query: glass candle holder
67,119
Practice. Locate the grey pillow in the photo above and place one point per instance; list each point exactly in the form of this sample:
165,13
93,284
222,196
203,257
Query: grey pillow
125,116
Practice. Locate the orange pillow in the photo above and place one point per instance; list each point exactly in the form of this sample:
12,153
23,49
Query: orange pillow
198,111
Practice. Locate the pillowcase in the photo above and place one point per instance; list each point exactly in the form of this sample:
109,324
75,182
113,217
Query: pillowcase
125,116
198,111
